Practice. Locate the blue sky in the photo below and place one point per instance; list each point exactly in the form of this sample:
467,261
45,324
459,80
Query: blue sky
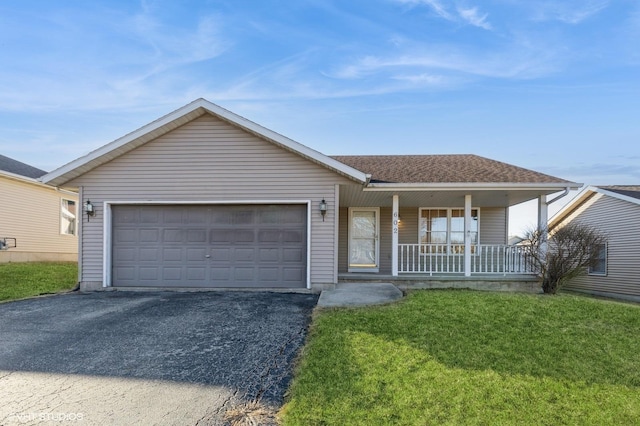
552,86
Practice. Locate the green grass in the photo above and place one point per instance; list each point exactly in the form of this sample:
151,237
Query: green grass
20,280
464,357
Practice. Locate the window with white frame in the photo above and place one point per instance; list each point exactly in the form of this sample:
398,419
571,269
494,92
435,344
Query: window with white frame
68,217
599,266
442,230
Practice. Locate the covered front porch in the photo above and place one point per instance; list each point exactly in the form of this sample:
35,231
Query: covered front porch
434,234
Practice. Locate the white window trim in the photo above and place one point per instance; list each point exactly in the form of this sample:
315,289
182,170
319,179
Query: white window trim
448,243
364,269
606,264
75,227
107,228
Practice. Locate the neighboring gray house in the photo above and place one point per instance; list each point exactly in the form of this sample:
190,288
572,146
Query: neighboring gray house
38,219
614,211
205,198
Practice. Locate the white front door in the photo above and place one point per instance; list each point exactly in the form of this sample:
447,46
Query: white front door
364,244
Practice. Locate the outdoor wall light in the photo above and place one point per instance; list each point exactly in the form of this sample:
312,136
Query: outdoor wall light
323,208
89,209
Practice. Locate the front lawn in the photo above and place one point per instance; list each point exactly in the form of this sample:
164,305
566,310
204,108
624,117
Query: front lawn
464,357
20,280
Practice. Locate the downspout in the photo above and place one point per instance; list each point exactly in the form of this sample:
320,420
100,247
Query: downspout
368,179
546,234
566,191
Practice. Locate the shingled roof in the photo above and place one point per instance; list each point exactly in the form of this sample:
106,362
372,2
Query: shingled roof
18,168
632,191
461,168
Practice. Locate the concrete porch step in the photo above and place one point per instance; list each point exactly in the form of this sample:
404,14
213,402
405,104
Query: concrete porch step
359,294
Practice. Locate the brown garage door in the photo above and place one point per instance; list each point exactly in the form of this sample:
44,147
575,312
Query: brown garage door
209,246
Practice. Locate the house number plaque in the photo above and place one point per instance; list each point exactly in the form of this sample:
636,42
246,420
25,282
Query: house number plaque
395,222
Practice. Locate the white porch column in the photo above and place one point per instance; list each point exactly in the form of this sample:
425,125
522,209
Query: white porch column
543,215
395,217
467,235
543,219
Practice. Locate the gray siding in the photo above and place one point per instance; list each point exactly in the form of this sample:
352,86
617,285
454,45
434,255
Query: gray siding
213,161
493,230
343,240
493,225
620,221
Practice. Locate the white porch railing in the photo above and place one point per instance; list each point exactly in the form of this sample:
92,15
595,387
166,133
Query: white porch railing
444,258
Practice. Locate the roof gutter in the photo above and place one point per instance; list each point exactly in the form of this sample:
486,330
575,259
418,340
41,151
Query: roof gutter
454,186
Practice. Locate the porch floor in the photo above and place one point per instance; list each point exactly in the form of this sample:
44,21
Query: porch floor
488,282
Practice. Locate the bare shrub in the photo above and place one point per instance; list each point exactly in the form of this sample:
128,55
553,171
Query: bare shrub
566,253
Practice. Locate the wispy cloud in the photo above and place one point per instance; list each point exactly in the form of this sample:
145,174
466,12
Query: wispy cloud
473,17
122,61
435,5
517,62
568,11
597,173
465,14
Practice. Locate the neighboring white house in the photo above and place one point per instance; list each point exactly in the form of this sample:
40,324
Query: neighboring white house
614,211
38,219
205,198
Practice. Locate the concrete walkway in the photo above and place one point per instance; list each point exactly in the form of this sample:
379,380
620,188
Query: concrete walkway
359,294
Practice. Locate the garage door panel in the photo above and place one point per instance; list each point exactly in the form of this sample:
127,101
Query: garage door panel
122,254
173,235
149,217
269,255
196,235
197,217
221,254
244,274
244,235
148,273
209,246
197,254
269,217
269,235
172,274
172,254
125,273
149,254
126,235
293,255
244,255
292,274
222,236
172,215
293,217
149,235
271,275
293,236
196,274
243,216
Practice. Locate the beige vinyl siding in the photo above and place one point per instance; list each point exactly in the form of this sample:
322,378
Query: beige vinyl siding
30,212
493,225
211,160
620,221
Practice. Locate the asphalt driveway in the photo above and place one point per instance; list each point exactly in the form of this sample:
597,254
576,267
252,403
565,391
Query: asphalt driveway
149,357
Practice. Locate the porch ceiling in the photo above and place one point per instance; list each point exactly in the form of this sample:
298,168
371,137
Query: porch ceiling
355,196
